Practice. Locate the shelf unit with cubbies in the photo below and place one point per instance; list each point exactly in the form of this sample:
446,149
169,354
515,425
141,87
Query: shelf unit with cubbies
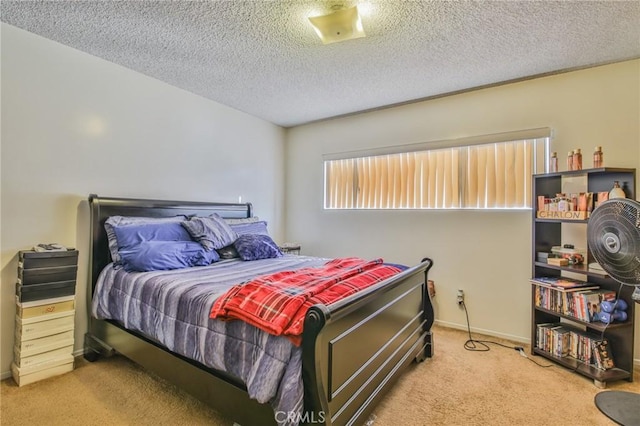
548,233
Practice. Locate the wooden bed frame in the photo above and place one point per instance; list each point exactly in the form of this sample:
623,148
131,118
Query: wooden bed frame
353,350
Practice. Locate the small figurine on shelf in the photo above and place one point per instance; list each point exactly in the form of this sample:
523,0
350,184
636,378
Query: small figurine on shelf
602,355
553,163
577,160
598,158
570,160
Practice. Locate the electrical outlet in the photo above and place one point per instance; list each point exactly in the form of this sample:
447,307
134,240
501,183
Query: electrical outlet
460,297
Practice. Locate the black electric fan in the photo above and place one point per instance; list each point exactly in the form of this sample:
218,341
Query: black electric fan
613,236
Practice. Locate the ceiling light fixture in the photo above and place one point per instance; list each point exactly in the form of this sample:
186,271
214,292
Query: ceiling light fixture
341,25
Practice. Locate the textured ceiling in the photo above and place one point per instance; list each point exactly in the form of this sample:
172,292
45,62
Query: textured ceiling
264,58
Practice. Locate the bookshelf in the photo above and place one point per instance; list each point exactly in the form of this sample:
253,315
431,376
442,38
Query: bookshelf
552,232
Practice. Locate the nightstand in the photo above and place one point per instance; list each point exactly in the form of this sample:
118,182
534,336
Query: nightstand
290,248
45,315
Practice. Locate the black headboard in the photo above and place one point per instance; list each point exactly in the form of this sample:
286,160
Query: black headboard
102,208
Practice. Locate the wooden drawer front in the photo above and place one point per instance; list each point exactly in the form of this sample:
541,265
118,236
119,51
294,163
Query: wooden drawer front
32,259
43,344
34,328
28,293
25,375
41,358
47,275
45,309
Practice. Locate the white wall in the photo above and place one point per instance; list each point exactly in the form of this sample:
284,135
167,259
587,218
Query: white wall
73,124
486,253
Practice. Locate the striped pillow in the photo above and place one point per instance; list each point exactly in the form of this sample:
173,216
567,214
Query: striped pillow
238,221
211,231
259,227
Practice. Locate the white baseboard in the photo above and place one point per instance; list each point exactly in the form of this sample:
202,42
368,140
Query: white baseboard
518,339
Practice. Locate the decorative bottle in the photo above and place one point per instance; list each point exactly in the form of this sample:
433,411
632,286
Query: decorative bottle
553,163
570,160
616,191
598,158
577,160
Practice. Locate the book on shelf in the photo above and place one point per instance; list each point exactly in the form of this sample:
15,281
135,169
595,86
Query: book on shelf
554,338
543,332
563,283
595,267
581,347
581,303
561,337
602,354
562,340
590,303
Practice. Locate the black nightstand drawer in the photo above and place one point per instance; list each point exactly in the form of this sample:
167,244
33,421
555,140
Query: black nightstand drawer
27,293
47,275
33,259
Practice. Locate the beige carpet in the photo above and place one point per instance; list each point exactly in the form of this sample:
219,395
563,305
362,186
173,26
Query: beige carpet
456,387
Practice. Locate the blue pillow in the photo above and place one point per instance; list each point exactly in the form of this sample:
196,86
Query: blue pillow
131,235
256,246
211,231
259,227
114,221
164,255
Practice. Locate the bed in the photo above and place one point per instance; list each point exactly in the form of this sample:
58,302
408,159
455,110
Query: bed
351,351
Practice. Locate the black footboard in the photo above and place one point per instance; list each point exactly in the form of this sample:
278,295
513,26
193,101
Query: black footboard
355,350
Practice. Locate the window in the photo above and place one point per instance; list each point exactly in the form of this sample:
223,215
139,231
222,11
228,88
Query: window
471,173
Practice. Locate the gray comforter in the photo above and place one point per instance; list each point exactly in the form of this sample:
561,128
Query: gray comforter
172,308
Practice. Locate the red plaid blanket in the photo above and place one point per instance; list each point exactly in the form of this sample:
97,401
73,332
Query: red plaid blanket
278,303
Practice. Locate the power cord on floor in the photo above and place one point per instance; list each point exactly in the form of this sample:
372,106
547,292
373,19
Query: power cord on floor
482,345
